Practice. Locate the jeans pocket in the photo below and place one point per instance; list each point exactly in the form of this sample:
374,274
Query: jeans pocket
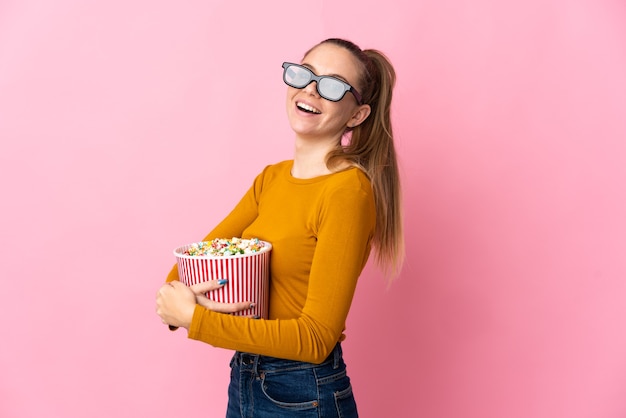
345,403
339,401
294,390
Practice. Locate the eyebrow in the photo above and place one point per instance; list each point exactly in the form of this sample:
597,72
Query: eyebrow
312,68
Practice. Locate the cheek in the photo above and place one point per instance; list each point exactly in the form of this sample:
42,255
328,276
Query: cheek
289,99
290,96
345,113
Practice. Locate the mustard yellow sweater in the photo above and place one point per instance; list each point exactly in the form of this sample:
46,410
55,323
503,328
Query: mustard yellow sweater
321,231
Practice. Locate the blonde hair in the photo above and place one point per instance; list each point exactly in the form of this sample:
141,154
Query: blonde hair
371,148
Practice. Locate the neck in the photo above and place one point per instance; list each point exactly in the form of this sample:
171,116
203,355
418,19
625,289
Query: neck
310,158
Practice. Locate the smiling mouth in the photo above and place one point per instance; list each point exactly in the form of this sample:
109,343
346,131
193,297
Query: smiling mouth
306,108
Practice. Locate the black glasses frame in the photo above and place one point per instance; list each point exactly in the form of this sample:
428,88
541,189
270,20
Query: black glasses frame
314,77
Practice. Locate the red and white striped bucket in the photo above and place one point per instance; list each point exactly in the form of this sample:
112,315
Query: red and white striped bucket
247,274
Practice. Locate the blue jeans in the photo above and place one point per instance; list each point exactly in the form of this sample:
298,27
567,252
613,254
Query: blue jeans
263,387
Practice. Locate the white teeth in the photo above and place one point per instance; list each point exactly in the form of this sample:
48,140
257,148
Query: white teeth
308,108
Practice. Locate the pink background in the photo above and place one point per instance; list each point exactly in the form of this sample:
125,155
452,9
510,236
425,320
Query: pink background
131,127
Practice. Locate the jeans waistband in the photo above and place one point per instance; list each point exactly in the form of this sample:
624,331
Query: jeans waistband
260,363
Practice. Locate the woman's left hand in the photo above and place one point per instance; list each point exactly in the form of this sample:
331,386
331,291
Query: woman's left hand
200,289
175,304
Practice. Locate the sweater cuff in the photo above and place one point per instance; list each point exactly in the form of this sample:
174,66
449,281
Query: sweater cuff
196,321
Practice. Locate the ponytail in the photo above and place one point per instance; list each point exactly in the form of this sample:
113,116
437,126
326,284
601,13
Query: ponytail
371,148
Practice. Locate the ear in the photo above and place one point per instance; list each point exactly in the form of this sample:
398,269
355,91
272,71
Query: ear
360,114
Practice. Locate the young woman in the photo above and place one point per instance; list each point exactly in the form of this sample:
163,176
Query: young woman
322,211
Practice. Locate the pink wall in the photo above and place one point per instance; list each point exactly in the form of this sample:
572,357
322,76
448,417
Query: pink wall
510,124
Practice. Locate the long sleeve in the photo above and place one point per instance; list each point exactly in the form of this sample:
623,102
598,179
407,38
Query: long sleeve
321,231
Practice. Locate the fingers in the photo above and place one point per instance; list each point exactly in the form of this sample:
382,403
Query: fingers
170,288
223,307
204,287
175,303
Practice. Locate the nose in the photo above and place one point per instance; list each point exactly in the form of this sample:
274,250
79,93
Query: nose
311,88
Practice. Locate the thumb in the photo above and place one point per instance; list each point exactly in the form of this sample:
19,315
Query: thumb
176,283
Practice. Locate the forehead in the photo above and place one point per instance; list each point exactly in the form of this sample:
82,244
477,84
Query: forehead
329,59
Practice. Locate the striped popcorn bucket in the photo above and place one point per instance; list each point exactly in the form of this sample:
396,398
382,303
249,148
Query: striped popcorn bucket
247,274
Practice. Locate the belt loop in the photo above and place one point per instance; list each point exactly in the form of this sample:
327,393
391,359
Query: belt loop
255,367
336,356
249,360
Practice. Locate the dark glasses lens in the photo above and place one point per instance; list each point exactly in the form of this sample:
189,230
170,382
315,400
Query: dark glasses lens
330,88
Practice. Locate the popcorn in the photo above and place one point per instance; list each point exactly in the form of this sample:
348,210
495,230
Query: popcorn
226,247
243,262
